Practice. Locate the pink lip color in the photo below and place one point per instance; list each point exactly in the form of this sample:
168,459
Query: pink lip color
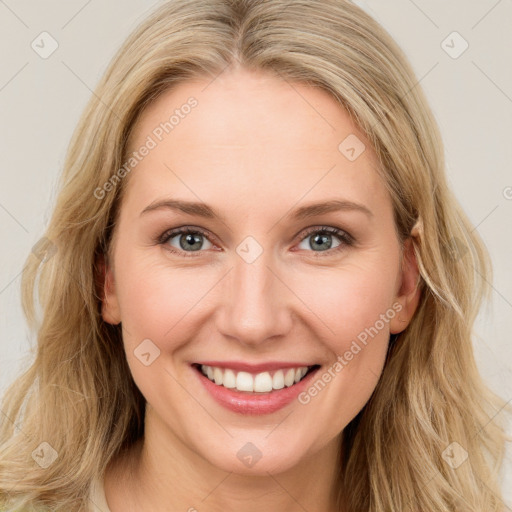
244,402
240,366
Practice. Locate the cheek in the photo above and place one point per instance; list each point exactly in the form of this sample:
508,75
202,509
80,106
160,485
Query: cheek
361,312
355,305
349,300
154,299
158,306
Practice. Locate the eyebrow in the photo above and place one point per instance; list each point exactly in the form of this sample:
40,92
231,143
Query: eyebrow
304,212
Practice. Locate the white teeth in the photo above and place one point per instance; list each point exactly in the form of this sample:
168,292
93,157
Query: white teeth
229,380
289,377
244,382
261,383
217,376
278,380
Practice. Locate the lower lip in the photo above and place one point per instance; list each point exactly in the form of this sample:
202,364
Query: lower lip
244,402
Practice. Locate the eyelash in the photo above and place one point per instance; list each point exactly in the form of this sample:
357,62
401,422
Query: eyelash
345,239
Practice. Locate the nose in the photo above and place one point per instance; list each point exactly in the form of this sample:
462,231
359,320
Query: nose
255,303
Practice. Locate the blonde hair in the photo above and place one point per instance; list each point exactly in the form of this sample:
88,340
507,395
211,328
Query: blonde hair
78,394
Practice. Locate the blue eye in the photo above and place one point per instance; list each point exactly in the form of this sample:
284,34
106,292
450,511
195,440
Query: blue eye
316,237
189,241
187,238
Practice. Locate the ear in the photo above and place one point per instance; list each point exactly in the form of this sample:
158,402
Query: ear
409,292
109,303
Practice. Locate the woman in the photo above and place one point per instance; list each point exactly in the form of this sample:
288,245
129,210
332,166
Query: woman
253,294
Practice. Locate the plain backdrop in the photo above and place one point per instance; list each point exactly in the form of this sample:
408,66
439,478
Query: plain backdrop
461,52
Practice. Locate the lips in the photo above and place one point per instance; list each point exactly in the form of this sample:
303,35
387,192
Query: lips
255,368
254,389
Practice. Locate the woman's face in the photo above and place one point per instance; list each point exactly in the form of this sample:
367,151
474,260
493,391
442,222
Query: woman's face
254,286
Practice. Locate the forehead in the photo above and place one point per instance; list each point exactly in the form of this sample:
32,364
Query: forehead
254,134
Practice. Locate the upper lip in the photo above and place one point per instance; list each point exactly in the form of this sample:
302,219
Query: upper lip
254,368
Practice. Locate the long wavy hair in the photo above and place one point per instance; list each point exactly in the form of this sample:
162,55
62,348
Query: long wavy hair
77,394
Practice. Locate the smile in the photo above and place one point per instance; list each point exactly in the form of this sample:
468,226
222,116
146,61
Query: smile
262,382
254,389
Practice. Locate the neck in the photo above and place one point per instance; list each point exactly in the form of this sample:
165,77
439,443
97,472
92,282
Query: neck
162,473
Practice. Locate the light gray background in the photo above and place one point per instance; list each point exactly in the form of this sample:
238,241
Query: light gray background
42,99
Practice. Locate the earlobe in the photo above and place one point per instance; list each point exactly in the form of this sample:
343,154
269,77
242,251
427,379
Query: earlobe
409,292
109,304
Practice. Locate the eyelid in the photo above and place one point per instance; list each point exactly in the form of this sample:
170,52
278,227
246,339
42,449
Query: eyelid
331,230
346,239
171,233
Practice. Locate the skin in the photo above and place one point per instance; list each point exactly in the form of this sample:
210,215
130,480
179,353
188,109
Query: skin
255,149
